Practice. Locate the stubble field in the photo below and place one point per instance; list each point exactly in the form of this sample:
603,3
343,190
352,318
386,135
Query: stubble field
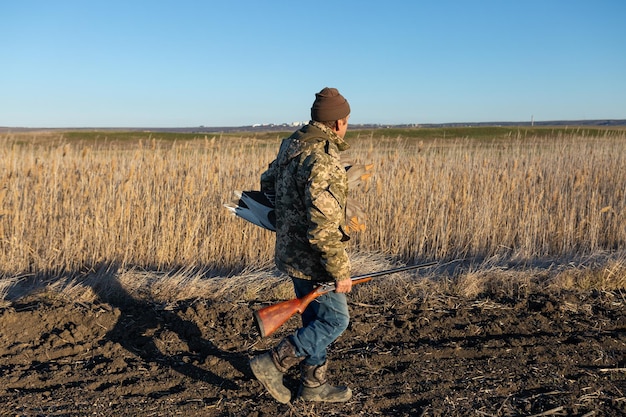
127,289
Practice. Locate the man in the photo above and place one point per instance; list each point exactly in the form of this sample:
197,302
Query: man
310,188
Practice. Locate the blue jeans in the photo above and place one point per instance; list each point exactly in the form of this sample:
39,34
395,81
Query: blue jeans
323,321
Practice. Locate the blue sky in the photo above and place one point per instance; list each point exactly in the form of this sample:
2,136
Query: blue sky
231,63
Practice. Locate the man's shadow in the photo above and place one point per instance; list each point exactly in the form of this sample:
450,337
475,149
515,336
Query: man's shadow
142,322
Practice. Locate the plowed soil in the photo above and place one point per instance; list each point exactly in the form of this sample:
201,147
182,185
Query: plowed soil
555,354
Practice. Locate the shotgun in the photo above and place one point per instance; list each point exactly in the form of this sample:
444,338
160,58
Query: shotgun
270,318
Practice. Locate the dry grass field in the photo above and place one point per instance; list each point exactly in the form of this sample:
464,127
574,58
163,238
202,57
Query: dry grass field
75,202
126,287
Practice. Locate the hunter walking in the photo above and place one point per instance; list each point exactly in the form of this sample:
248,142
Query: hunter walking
309,186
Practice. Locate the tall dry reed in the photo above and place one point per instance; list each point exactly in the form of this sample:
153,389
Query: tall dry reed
523,198
68,206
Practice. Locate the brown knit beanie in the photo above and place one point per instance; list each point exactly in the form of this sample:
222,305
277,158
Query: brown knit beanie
329,106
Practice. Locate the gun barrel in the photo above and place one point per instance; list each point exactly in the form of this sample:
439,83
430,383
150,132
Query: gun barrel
395,270
359,279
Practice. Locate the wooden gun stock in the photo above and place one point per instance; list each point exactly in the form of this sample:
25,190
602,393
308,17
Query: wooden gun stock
270,318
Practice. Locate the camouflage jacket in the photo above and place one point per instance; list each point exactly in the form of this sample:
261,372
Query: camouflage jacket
311,189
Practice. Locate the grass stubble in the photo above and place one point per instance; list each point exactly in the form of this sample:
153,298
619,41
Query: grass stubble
545,208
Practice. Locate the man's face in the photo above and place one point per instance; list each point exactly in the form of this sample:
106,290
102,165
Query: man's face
342,127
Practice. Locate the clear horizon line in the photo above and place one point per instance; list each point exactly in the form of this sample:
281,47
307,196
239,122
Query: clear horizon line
296,124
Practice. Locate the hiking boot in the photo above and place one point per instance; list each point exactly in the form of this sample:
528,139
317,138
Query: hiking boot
315,387
270,367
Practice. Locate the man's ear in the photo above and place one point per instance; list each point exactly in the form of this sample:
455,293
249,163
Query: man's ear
337,126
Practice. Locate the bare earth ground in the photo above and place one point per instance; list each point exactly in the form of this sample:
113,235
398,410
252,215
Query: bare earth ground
559,354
